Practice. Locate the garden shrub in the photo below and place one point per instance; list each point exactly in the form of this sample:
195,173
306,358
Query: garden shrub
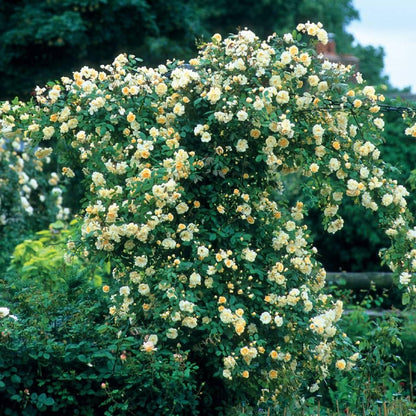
380,375
385,338
356,248
60,355
46,261
185,168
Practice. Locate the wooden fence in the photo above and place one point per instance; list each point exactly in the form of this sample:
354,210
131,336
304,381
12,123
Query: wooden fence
366,280
380,280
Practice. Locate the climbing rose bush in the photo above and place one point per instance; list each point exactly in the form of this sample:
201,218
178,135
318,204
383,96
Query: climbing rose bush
30,189
185,168
29,184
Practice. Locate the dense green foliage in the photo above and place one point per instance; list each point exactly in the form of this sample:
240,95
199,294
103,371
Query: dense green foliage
37,260
356,247
42,40
64,354
239,288
60,355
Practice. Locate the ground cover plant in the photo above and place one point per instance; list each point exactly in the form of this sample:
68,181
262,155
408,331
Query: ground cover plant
185,167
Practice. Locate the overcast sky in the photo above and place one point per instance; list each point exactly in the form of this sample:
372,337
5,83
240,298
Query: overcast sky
392,25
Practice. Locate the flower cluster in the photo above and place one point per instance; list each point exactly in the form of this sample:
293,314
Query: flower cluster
185,168
6,312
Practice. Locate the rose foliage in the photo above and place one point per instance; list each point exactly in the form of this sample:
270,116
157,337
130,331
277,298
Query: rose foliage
185,168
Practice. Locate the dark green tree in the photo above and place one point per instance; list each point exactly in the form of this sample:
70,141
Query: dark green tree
267,16
371,63
41,40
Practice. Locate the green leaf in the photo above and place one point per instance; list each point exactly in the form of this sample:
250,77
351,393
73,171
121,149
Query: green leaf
16,398
405,298
15,379
49,401
58,225
212,237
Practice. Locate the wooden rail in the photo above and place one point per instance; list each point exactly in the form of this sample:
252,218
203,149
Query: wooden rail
381,280
365,280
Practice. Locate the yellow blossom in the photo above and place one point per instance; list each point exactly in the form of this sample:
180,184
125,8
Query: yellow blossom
274,355
222,299
357,103
131,117
273,374
340,364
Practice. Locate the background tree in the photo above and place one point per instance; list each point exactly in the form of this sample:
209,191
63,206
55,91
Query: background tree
265,16
42,40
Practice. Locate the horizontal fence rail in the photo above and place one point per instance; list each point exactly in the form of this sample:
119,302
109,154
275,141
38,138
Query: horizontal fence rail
362,280
366,280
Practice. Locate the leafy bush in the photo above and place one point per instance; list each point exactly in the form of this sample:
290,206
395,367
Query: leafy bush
46,260
356,248
60,355
380,370
384,336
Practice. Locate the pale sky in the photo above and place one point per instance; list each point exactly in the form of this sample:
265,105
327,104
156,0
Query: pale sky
392,25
